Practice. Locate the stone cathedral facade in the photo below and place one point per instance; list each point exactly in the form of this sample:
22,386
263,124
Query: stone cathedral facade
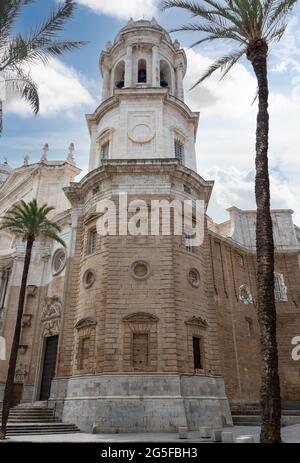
143,333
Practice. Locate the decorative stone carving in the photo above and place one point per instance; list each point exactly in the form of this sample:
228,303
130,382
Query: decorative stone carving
70,157
86,325
141,133
26,320
87,321
20,374
89,278
26,160
197,321
141,317
51,316
44,157
51,327
245,295
280,289
141,127
52,308
23,348
194,277
141,322
140,270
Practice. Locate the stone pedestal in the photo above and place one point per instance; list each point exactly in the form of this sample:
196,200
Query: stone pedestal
141,402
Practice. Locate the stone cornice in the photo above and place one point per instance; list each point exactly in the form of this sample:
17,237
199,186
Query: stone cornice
239,247
163,93
76,192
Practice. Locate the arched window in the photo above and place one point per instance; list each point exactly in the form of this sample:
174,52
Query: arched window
142,71
119,75
179,150
280,290
165,74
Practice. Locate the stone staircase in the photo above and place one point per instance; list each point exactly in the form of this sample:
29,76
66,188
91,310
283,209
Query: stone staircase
252,417
36,419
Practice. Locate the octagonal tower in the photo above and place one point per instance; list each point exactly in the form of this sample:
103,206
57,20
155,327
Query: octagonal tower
142,114
138,347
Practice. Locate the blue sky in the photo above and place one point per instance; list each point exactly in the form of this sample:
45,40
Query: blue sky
71,86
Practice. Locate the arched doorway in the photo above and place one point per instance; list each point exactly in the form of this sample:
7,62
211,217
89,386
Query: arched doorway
49,346
49,365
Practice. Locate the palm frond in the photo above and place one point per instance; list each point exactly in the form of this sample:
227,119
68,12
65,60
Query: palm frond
279,10
9,13
42,42
229,33
22,85
30,219
54,236
223,64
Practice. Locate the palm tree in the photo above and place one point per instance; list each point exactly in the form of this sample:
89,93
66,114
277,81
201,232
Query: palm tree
253,25
17,50
28,221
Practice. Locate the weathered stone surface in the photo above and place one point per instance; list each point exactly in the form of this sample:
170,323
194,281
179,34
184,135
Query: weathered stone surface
125,353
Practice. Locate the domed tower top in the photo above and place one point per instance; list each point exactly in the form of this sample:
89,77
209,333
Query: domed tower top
143,114
143,56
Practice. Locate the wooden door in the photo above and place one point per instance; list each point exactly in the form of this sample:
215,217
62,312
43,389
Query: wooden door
48,366
17,394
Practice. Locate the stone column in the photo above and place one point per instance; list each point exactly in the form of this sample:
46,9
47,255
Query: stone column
128,67
105,85
155,67
179,81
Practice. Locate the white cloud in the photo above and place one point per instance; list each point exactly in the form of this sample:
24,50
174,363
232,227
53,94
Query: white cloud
123,9
236,187
226,137
61,88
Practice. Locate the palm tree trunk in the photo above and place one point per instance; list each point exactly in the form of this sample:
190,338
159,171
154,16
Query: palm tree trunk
270,386
8,391
1,117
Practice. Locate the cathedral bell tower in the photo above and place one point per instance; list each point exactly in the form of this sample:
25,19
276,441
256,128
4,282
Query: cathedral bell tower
143,114
138,350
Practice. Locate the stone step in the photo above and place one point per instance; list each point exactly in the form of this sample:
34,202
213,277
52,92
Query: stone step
17,413
246,420
257,412
36,420
33,420
41,428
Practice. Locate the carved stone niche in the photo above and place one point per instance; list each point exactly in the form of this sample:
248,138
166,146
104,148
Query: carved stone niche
197,321
20,374
51,316
52,308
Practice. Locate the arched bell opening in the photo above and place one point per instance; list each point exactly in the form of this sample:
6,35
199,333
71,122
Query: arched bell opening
165,74
119,75
142,71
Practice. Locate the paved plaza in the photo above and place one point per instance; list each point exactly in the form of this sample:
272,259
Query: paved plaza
290,434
